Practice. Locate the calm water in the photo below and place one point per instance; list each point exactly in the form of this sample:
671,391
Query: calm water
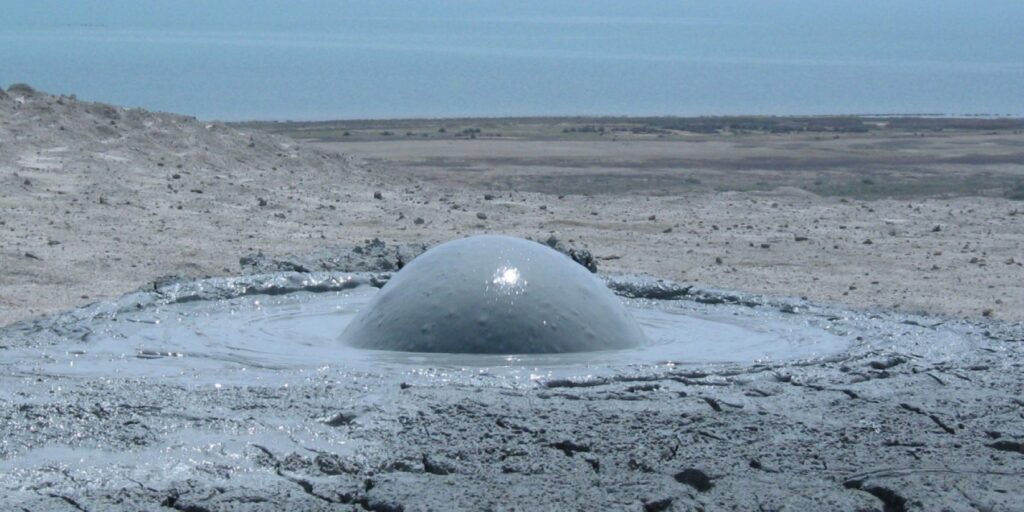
318,60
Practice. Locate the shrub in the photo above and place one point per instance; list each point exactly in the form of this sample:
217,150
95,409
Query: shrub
21,89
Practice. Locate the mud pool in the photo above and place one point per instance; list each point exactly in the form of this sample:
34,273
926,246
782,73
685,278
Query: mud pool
274,338
236,393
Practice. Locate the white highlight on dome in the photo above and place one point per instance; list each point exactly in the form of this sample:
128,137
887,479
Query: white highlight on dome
507,276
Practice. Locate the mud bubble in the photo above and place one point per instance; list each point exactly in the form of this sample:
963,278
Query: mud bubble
494,295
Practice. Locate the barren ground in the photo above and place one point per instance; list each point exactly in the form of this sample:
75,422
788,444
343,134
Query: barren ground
98,200
642,206
920,413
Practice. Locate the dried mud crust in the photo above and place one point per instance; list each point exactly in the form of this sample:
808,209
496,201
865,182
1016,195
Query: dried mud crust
922,413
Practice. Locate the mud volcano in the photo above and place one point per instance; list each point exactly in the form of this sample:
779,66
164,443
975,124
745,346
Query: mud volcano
494,295
219,393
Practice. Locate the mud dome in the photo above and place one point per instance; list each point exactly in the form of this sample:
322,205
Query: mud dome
494,295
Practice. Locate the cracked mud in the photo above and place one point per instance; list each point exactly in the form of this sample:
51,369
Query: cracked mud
101,411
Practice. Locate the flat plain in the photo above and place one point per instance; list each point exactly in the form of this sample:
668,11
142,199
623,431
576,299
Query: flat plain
916,214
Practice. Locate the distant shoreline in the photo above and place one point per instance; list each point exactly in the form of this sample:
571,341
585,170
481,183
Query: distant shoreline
604,127
626,118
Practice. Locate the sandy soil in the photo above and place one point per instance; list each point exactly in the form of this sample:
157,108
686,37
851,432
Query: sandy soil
98,200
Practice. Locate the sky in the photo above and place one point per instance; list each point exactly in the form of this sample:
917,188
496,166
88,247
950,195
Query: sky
326,58
999,15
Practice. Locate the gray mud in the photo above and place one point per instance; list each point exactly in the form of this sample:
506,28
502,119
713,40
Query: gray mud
494,294
104,410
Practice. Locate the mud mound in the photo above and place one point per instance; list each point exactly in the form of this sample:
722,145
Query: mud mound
494,295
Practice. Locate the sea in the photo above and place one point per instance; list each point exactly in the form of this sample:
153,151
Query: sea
333,59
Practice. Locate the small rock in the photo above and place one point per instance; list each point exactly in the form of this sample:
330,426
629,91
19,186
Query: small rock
339,419
32,256
1008,446
437,466
713,403
868,242
418,221
936,229
569,448
488,197
652,217
481,215
380,505
658,505
800,238
695,478
261,201
666,230
887,363
332,464
378,195
766,246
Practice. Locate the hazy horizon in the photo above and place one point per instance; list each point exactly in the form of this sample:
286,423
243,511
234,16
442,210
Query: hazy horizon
315,60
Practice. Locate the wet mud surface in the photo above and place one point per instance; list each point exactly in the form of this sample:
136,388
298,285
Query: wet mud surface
493,294
204,395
